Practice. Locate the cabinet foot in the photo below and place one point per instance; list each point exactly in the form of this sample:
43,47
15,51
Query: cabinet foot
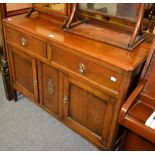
14,95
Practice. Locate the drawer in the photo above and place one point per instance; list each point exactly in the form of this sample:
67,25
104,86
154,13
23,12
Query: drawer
27,42
90,70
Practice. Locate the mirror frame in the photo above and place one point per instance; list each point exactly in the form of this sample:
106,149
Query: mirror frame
135,36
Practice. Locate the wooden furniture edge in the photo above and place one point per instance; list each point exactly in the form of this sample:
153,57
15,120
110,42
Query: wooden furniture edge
51,40
129,102
134,125
149,58
138,25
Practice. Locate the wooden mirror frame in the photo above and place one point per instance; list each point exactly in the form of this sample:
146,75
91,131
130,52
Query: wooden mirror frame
74,21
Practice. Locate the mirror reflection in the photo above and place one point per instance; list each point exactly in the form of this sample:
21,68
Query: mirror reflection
126,10
57,7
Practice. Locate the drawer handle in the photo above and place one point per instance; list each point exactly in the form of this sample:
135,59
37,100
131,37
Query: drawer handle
112,78
23,41
82,68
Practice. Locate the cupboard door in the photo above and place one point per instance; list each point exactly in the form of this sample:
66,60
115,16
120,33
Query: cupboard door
24,74
49,82
88,111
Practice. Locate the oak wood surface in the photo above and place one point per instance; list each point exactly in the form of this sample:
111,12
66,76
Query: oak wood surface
73,62
92,99
88,110
21,65
138,143
31,44
49,90
101,51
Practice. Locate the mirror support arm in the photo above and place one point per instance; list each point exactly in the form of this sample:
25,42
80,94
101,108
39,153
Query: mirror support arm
30,12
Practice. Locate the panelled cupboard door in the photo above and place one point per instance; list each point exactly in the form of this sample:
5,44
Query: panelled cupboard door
88,111
24,73
49,87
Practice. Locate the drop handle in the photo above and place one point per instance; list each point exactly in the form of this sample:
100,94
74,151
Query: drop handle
23,41
82,68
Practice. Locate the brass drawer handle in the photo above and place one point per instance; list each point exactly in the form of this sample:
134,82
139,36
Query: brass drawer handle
113,78
23,41
82,68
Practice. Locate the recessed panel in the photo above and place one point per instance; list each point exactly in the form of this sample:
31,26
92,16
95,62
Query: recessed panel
23,72
50,87
86,109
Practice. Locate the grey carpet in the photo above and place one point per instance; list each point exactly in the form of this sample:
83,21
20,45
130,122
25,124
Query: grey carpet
25,126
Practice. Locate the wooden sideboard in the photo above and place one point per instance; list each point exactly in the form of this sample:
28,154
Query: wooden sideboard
81,82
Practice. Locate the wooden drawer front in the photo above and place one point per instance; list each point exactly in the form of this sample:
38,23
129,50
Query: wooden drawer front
97,73
26,41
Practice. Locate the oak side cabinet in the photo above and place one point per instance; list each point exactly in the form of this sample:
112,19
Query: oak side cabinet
81,82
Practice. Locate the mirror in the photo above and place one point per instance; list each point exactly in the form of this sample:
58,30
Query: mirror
99,20
59,8
17,6
123,11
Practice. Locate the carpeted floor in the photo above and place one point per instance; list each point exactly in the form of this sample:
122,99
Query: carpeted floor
25,126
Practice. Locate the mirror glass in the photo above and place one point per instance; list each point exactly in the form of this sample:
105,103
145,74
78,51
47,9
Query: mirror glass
53,7
17,6
125,10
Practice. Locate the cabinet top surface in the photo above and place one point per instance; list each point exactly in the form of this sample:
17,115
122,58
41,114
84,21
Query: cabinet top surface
124,59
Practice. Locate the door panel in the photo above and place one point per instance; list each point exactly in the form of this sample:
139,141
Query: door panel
49,81
24,74
88,110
